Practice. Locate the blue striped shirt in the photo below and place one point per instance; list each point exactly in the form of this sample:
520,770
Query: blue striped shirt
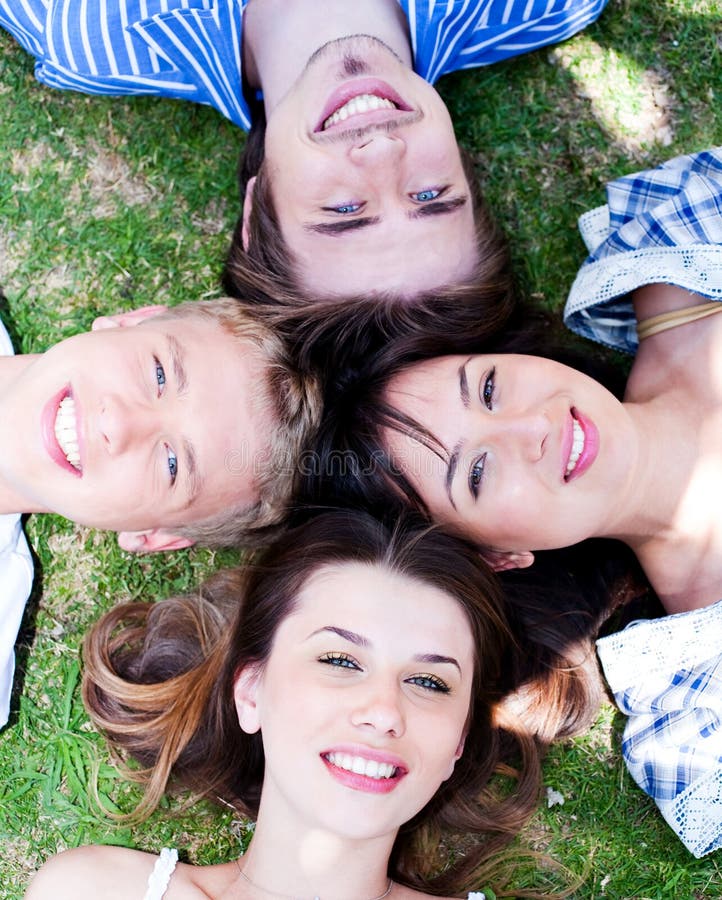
191,49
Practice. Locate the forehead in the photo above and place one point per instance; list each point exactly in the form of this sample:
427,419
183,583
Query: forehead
388,608
385,256
429,391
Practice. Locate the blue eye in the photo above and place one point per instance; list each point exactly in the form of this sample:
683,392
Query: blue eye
172,464
476,475
487,392
429,683
159,375
339,660
345,209
426,195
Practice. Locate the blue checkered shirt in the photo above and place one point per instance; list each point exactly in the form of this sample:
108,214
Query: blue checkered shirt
191,49
663,225
666,676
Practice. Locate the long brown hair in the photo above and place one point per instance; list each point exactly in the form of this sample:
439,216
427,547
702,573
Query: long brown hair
159,680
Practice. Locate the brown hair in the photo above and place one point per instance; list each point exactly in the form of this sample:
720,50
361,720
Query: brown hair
266,278
291,402
159,681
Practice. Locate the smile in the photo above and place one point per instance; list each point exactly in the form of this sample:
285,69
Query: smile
66,431
362,104
362,101
584,446
370,768
577,447
59,429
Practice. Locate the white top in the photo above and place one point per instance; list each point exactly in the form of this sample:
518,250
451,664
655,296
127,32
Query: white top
666,675
160,876
16,578
165,866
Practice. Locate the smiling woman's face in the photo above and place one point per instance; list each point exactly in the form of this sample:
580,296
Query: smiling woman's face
527,454
366,171
363,702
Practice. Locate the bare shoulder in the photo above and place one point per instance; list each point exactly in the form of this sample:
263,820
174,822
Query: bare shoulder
113,873
405,893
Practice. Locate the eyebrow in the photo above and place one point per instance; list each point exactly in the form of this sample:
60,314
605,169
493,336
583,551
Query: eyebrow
360,641
342,226
193,477
350,636
177,359
454,457
433,208
438,208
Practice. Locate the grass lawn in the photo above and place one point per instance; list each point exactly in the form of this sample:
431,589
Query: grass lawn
112,204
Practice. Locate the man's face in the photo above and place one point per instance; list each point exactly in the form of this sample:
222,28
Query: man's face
137,428
366,176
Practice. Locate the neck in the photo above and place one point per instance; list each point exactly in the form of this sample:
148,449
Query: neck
650,497
299,27
292,858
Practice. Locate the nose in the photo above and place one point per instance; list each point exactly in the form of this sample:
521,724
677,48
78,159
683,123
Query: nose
379,709
377,149
121,424
526,431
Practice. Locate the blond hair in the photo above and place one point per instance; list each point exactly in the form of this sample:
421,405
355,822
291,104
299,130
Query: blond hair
289,399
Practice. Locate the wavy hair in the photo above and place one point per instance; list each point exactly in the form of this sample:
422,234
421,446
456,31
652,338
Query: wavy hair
159,678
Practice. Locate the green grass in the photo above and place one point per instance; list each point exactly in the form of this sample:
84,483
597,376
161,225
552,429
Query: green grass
109,204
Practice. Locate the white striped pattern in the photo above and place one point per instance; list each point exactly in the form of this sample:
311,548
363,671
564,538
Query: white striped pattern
190,49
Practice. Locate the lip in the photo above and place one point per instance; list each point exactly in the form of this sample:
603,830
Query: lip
591,444
356,88
363,782
47,426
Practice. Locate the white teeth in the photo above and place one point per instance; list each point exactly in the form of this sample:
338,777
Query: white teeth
360,766
361,104
577,447
66,431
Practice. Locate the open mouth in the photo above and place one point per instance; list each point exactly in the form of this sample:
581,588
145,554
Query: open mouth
369,768
577,448
66,431
362,104
584,445
363,101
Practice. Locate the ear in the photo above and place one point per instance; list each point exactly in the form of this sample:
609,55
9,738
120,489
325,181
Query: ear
503,560
247,207
126,319
246,694
152,541
457,756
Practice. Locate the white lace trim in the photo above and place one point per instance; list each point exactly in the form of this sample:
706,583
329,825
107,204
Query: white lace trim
695,267
594,226
696,813
659,646
161,874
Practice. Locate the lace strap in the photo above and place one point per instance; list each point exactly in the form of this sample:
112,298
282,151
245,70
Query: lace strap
665,321
161,874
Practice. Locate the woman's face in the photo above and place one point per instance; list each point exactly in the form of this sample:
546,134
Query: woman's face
531,455
363,701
